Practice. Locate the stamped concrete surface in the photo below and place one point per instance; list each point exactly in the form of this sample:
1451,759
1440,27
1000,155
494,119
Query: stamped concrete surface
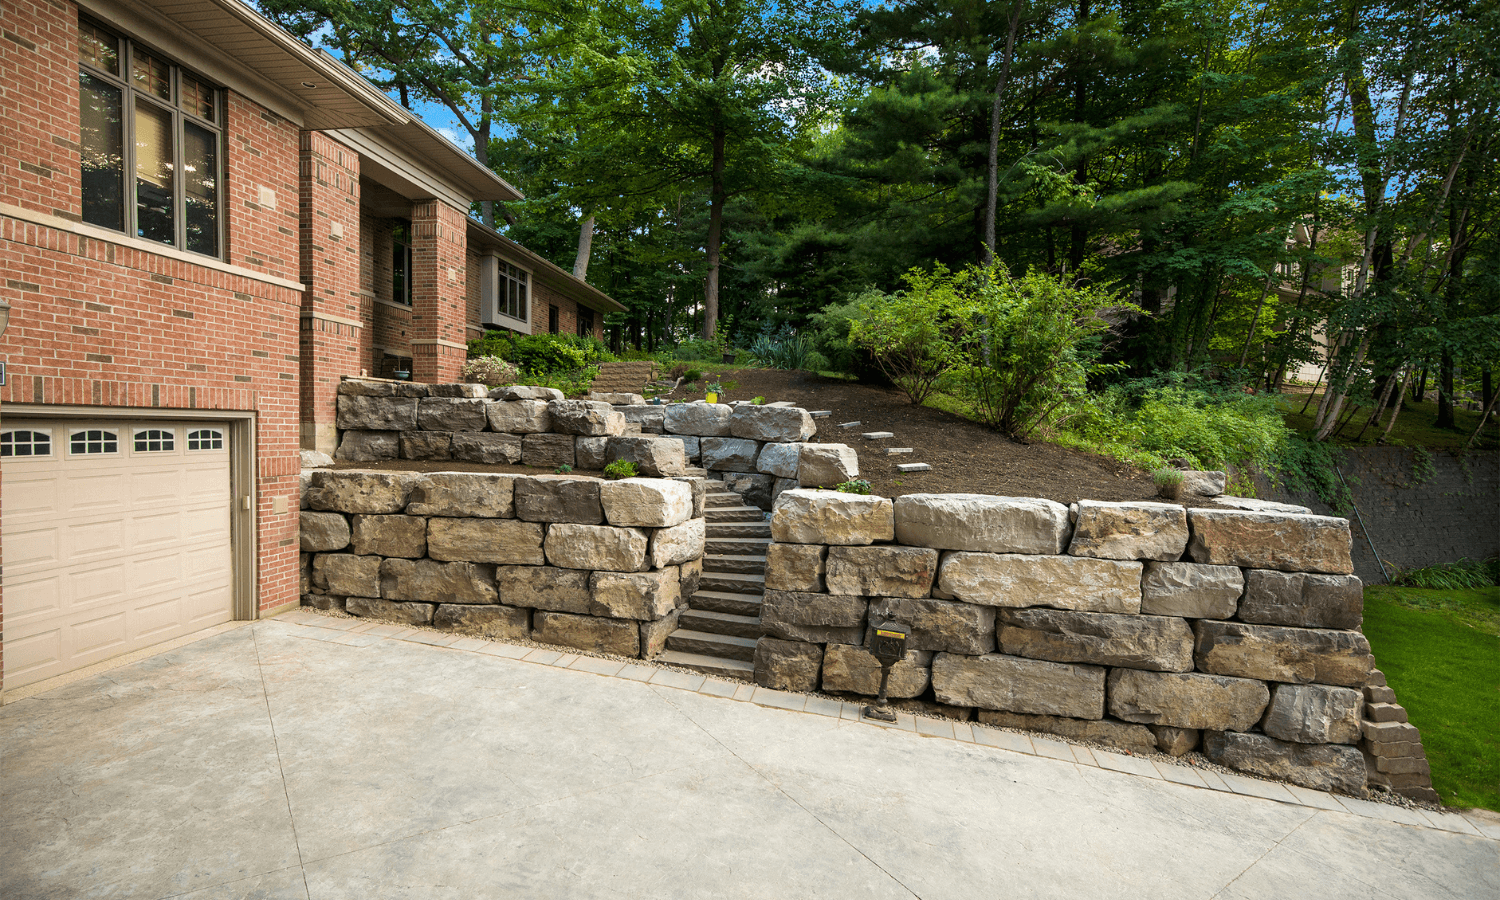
324,758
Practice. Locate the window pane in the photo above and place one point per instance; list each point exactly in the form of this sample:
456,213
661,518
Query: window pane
151,75
102,145
98,48
197,97
153,173
200,180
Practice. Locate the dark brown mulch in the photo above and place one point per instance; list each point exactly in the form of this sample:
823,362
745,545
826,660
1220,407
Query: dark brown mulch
965,457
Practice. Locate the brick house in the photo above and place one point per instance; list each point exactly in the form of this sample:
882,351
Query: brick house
203,226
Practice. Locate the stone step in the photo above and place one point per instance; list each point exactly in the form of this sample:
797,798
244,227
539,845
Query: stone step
723,646
696,471
722,498
761,529
707,620
726,602
914,467
896,451
849,424
736,669
738,546
877,435
746,564
734,513
820,413
735,582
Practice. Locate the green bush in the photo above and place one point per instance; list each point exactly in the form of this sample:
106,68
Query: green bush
621,468
491,371
541,354
784,350
855,486
1460,575
915,335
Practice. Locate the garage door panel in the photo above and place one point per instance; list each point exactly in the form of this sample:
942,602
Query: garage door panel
111,552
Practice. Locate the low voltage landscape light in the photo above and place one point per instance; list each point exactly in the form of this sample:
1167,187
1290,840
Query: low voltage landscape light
889,646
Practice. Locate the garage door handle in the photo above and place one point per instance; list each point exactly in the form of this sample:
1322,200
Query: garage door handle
245,503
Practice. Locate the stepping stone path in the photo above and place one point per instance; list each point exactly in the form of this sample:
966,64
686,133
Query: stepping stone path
821,413
914,467
877,435
896,451
716,634
849,425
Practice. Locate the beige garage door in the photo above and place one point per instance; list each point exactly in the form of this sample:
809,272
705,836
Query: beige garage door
116,537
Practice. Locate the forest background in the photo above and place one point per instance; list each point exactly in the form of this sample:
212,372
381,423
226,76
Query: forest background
1226,185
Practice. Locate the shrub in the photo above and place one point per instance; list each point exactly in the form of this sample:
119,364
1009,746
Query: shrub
855,486
1463,574
621,468
915,335
563,469
785,350
491,371
1167,482
541,354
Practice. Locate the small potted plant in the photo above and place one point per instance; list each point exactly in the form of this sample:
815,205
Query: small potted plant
711,394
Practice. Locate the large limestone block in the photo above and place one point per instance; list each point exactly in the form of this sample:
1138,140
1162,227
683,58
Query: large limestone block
646,502
755,489
1158,643
615,636
382,389
496,541
1197,483
700,419
678,544
518,416
1186,699
1107,732
1302,600
726,454
982,523
940,624
1012,684
430,581
828,517
366,493
1258,540
543,587
787,665
643,596
781,486
451,414
779,460
654,457
826,465
881,571
691,574
589,417
369,446
523,392
466,390
322,532
315,459
403,536
501,623
690,445
1129,531
428,445
699,484
1291,655
654,634
1061,582
1191,590
347,575
795,567
1314,714
487,448
390,611
472,495
782,424
816,618
548,451
592,547
1321,767
1256,505
857,671
1175,741
588,452
559,498
377,413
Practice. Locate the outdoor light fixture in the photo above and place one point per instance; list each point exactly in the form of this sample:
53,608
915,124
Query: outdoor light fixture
889,646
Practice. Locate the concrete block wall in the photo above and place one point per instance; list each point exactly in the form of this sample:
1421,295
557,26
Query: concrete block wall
601,566
1144,626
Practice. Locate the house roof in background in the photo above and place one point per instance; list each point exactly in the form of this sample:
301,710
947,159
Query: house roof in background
482,237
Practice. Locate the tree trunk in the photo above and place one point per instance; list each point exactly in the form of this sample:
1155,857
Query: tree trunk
1255,320
585,247
1421,392
992,178
715,236
1445,393
1487,386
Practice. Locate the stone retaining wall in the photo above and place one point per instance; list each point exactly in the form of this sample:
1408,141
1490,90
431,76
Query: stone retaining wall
1144,626
579,562
759,451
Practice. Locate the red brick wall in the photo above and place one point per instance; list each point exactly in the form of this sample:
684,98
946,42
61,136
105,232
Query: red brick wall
567,312
330,263
439,294
262,150
39,86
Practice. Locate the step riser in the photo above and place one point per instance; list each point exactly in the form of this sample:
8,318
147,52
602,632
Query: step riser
737,605
733,514
739,547
719,563
695,620
714,670
722,581
736,529
710,648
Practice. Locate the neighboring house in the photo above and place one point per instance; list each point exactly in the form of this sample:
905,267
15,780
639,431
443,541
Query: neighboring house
204,225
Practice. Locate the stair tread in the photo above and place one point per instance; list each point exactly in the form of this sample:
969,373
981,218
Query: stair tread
727,595
709,637
733,668
746,577
740,557
727,618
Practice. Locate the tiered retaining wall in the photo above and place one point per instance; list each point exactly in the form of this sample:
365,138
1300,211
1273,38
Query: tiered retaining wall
579,562
1144,626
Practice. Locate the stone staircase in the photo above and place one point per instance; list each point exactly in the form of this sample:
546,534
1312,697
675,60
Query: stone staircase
717,632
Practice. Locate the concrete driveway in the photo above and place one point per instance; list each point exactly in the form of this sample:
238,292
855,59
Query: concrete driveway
322,758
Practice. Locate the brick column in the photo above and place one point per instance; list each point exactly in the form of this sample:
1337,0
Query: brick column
330,326
439,292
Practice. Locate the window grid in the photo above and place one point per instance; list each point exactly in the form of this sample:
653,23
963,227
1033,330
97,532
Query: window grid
206,439
94,440
155,440
25,443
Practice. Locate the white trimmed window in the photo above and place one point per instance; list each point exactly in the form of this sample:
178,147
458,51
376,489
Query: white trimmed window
25,442
155,440
504,295
205,439
92,441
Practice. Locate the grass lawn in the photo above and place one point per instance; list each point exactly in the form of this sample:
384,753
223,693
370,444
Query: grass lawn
1413,427
1440,651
